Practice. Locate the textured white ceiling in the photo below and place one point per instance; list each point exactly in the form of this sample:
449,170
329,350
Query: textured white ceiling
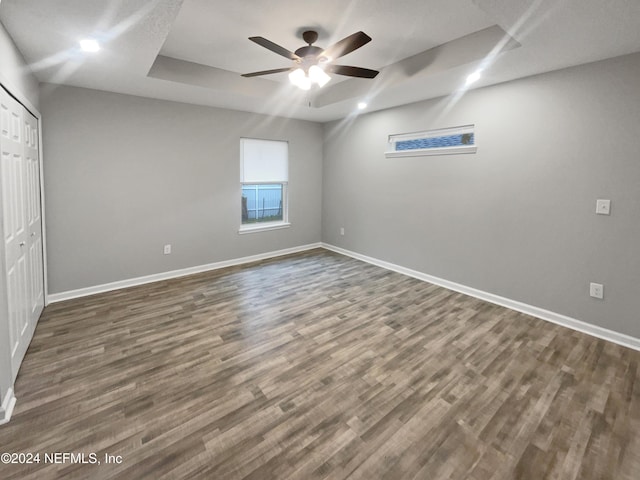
194,50
204,33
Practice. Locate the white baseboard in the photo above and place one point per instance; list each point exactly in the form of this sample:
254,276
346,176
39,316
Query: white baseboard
563,320
107,287
579,325
6,409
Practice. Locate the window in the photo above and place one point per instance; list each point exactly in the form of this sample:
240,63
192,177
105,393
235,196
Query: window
262,203
433,142
264,166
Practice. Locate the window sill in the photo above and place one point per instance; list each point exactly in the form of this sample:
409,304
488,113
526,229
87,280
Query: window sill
432,151
263,228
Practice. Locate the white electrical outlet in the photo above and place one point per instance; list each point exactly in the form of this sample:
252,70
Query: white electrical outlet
167,249
603,207
596,290
342,231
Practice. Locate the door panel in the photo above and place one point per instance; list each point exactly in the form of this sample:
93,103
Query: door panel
34,221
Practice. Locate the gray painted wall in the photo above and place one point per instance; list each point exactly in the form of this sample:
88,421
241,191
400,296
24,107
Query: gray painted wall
517,219
16,76
125,175
14,72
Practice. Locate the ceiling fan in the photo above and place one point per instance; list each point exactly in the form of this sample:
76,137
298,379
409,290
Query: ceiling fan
312,64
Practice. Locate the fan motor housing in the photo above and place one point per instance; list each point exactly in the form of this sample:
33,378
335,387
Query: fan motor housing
310,36
309,50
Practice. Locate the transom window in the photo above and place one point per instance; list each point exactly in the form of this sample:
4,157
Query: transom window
444,141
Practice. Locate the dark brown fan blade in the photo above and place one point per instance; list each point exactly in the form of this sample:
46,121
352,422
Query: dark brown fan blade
346,45
266,72
352,71
274,47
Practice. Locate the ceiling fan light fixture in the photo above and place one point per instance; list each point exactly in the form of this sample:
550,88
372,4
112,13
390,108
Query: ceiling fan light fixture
318,75
305,83
304,80
300,79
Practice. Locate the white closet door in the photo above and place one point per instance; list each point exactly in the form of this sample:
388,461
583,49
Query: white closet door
22,230
35,273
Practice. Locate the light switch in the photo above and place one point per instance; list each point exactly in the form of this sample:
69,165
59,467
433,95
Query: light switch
603,207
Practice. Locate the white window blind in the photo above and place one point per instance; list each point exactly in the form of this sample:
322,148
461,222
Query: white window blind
263,161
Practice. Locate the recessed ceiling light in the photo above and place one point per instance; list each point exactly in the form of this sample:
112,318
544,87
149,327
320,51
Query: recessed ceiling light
362,105
89,45
474,77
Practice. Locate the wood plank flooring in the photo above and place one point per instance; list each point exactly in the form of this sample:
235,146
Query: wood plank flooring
318,366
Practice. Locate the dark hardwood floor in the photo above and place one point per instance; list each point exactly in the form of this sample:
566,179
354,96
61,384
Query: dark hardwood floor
318,366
